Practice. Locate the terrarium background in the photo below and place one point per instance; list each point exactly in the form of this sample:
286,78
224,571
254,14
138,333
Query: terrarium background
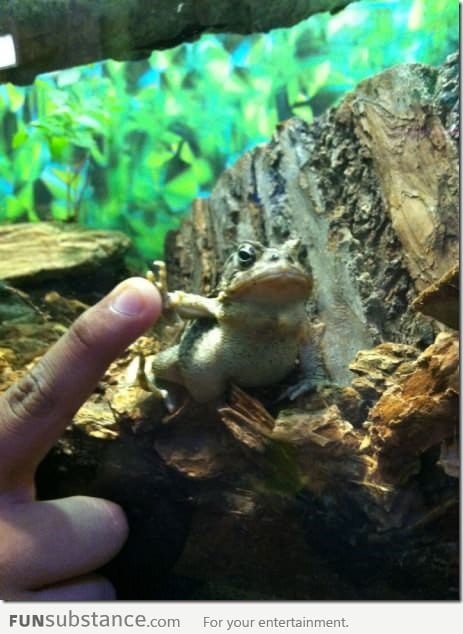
129,145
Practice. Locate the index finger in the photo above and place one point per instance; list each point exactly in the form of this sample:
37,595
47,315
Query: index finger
35,411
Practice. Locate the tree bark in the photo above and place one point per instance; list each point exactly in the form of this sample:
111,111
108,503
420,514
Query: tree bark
371,188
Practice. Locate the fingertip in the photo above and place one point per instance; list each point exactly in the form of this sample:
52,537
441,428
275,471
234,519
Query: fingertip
116,520
136,297
100,334
109,520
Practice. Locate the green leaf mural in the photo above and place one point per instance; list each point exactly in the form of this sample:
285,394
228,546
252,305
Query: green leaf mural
128,145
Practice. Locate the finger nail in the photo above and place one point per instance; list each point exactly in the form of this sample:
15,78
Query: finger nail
128,300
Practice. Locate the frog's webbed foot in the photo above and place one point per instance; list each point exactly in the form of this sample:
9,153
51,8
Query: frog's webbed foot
312,376
312,383
175,409
305,386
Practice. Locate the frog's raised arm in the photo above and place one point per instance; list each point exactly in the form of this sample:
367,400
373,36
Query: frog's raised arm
186,305
191,306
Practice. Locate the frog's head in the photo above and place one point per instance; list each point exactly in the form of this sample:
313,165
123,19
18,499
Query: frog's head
268,274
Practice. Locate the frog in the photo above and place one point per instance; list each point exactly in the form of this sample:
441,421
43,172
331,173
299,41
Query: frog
249,332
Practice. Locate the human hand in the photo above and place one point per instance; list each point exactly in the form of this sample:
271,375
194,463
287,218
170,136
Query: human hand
49,548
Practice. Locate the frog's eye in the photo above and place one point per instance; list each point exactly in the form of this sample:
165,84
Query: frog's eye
246,255
302,254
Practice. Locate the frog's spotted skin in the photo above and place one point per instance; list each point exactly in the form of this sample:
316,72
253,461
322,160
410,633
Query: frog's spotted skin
250,333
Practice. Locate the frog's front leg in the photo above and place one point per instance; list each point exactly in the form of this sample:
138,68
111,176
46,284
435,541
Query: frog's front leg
313,373
186,305
192,306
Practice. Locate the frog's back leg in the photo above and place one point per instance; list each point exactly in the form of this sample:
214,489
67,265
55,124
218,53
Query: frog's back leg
164,366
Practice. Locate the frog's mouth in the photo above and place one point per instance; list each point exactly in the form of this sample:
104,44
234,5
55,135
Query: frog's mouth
279,286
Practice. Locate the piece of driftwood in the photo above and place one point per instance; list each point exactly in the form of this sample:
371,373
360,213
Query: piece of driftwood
53,35
347,493
32,252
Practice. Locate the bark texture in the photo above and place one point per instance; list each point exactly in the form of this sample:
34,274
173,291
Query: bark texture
371,188
61,33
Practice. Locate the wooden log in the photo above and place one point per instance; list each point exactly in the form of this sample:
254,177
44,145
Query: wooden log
31,252
371,188
52,35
